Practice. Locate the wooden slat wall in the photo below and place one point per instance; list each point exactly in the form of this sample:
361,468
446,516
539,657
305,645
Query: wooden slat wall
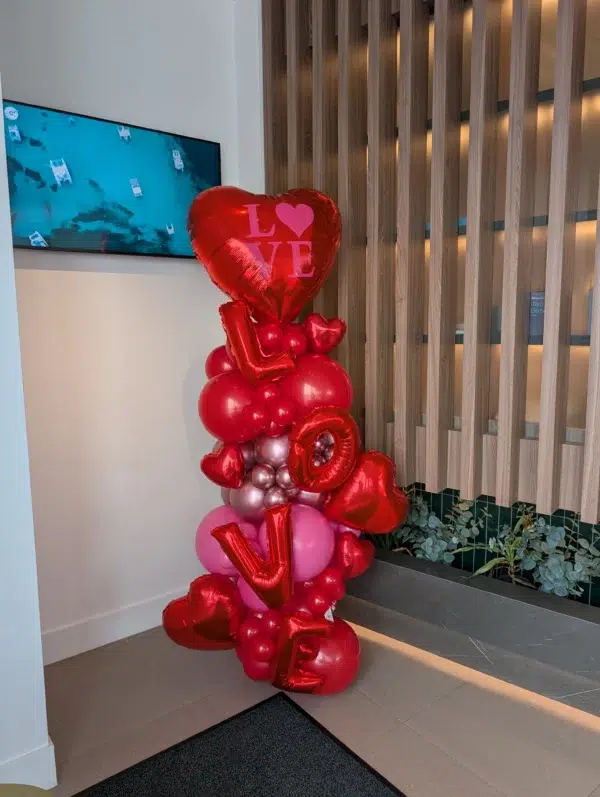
445,151
410,278
324,124
381,222
352,187
456,416
570,41
480,241
590,506
299,103
274,97
522,124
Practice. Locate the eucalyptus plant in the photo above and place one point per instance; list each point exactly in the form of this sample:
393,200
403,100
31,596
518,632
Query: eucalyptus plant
532,553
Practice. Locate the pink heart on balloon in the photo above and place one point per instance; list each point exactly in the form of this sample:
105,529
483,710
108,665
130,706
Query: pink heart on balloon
298,218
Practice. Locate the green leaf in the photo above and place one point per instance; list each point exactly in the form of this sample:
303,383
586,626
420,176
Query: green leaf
468,548
499,560
584,543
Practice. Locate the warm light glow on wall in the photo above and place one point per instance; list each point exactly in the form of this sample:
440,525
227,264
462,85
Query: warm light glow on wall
545,114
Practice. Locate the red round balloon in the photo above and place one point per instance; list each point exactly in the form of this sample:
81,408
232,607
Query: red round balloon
337,660
317,382
270,337
230,409
254,669
261,648
219,362
295,340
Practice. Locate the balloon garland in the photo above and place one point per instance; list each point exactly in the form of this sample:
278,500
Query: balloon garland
297,491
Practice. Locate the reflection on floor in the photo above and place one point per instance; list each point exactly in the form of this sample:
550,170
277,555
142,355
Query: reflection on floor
429,724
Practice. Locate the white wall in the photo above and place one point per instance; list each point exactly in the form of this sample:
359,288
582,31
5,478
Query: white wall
26,756
114,347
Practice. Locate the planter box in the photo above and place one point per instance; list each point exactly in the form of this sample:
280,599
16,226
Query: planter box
553,631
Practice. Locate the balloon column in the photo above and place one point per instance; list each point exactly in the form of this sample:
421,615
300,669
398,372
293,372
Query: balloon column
297,491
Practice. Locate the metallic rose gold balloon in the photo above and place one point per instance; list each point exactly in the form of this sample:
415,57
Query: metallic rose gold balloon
263,476
225,491
283,478
248,501
275,496
309,499
317,460
248,454
292,492
328,453
327,439
320,445
272,450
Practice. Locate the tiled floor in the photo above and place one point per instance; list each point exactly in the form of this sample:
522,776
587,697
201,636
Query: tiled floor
434,727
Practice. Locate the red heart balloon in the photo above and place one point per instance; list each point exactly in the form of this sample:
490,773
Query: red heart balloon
324,335
352,556
274,252
369,499
225,466
208,617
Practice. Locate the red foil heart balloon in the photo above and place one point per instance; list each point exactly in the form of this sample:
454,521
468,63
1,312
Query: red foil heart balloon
208,617
324,335
369,499
352,556
274,252
225,466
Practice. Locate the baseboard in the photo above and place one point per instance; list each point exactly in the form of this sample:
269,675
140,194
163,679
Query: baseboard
35,768
102,629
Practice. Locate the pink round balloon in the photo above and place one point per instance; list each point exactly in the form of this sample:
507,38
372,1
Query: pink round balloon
313,541
249,597
208,550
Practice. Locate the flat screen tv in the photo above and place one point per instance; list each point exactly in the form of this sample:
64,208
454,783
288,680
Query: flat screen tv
83,184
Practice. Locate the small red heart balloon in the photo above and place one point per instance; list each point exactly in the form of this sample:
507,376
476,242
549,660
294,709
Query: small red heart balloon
369,499
352,556
274,252
225,466
208,617
324,335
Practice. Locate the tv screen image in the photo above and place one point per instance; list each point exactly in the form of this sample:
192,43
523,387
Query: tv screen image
78,183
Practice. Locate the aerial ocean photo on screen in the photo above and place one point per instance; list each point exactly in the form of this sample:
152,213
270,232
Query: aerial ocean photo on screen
85,184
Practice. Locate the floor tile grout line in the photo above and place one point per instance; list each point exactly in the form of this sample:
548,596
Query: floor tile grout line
417,712
456,760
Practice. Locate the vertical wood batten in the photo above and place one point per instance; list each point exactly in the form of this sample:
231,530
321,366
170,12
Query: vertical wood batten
274,102
299,104
445,153
410,288
570,42
590,498
480,241
324,124
381,217
352,139
522,130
